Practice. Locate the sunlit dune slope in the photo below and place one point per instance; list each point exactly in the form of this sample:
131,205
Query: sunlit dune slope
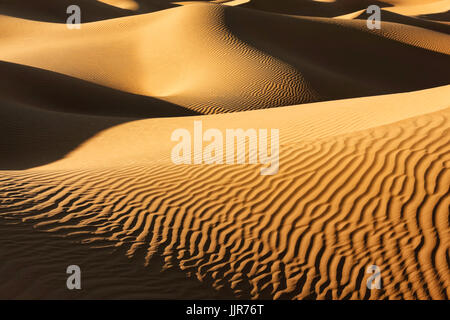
361,182
123,4
432,10
142,139
212,58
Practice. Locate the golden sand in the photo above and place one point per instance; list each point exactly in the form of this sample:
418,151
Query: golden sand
86,118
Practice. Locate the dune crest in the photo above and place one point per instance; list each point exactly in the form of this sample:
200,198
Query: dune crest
123,4
170,55
343,199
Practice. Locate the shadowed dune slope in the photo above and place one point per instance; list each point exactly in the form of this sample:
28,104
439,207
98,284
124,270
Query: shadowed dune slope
96,10
32,253
52,91
91,10
212,58
31,137
402,19
361,182
56,11
333,8
45,115
313,8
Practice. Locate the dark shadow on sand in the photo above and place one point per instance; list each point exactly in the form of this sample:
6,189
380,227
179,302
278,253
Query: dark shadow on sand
442,16
341,62
34,266
313,8
45,115
91,10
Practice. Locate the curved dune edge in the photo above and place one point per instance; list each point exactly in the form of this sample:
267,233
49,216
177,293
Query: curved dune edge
394,17
122,4
421,8
140,141
55,11
350,193
333,8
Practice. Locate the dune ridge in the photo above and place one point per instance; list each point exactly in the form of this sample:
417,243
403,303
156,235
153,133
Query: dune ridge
340,202
230,67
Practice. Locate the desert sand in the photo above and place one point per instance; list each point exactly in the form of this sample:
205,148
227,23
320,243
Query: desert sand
86,175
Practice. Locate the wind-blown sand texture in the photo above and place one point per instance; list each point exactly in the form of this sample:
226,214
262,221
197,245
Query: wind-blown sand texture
86,118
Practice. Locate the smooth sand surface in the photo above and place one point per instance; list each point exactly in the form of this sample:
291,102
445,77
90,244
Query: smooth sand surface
86,175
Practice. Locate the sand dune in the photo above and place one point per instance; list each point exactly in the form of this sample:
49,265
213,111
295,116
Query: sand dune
332,8
357,186
229,66
55,11
86,176
425,9
123,4
402,19
52,91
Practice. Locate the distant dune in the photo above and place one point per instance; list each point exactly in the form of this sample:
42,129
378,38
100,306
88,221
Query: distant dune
86,176
212,58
